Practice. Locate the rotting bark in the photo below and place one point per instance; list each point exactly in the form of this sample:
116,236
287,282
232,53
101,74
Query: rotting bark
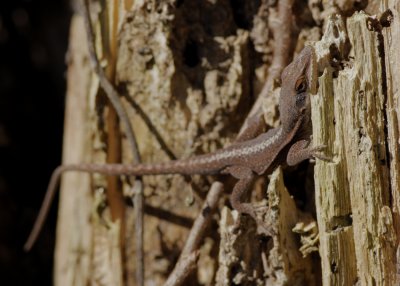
283,263
191,67
357,231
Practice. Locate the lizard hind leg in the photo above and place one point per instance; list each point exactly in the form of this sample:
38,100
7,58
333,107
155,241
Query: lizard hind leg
246,177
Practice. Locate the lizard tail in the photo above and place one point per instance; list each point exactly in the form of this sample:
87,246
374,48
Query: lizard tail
107,169
44,210
177,167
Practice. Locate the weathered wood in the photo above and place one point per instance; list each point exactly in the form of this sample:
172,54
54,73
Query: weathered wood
283,264
74,231
191,104
191,82
188,68
88,249
392,68
332,197
353,190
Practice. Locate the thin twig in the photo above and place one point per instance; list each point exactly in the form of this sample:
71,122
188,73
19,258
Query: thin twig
109,89
184,265
151,126
139,226
204,218
168,216
114,98
183,268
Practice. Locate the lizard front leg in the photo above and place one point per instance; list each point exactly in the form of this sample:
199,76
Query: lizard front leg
301,150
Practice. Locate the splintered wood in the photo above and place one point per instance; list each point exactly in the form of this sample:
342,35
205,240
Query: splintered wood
357,237
283,263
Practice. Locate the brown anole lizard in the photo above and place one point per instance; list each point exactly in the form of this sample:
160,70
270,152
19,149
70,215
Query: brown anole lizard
289,143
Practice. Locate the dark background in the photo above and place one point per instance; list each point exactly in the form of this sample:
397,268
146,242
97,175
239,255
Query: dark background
33,44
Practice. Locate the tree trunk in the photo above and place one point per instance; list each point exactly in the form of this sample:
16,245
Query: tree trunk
188,73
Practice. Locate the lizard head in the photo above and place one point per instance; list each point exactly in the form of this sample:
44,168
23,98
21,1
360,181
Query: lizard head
299,79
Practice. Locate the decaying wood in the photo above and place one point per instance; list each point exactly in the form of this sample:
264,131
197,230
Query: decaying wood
392,58
117,113
73,252
357,235
279,264
204,119
190,69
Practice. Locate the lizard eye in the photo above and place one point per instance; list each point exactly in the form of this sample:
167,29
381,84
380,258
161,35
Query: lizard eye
301,85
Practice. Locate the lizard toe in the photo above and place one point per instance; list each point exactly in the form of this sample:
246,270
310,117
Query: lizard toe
322,157
316,152
318,148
